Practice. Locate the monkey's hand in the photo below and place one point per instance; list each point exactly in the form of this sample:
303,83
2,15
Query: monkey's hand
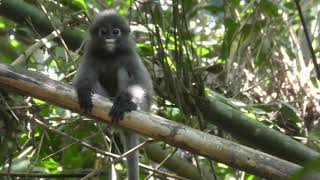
85,102
122,104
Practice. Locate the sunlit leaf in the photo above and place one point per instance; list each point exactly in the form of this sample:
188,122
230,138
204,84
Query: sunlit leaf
38,101
50,164
14,43
2,25
75,4
202,51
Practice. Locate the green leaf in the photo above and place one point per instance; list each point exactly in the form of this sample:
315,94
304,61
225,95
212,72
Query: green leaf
145,49
308,170
235,3
81,4
75,4
314,134
2,24
257,111
231,27
72,157
263,107
202,51
14,43
50,163
215,7
290,5
289,112
268,8
173,114
188,5
38,101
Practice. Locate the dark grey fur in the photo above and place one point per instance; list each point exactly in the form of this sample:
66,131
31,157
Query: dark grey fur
112,68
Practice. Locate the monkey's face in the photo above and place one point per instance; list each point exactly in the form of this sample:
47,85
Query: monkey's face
109,36
110,33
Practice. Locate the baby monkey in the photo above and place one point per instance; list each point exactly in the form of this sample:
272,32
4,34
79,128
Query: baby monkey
112,68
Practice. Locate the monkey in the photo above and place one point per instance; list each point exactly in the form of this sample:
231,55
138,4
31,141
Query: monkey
112,68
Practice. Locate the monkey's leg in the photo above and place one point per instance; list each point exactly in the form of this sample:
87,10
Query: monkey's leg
131,140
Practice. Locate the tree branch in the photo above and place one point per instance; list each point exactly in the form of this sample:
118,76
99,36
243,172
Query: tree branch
178,135
306,33
243,128
254,133
19,11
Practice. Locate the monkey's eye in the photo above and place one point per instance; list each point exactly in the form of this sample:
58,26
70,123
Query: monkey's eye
116,31
103,31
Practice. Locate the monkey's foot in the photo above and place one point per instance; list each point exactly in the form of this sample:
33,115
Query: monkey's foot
121,105
85,103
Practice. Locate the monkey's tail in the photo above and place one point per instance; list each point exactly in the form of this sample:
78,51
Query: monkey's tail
132,140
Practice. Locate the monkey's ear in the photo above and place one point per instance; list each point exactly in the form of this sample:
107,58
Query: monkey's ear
92,29
126,29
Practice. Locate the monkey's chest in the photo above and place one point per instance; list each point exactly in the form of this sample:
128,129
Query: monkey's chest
113,77
110,84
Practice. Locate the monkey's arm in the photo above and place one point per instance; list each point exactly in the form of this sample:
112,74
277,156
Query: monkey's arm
84,82
136,91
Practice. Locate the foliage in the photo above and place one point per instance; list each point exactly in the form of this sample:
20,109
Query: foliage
250,54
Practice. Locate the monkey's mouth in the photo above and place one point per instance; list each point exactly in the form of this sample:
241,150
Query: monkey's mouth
110,44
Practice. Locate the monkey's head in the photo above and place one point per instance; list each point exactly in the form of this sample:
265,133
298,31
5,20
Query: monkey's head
110,31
